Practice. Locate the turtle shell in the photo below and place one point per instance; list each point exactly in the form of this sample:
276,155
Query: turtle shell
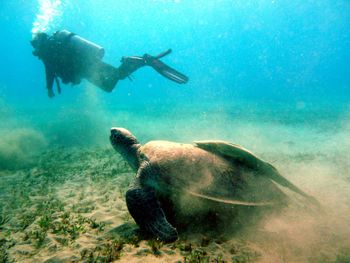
181,169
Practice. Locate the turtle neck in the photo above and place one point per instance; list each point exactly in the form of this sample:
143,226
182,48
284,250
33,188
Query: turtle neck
132,156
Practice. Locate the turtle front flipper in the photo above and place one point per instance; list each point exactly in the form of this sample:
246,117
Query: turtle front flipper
146,211
144,207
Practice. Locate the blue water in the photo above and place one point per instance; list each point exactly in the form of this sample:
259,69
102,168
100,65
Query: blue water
258,56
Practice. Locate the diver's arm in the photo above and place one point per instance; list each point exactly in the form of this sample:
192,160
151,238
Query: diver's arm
50,76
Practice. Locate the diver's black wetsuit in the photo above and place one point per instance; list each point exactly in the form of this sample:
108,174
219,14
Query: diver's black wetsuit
64,58
66,63
58,63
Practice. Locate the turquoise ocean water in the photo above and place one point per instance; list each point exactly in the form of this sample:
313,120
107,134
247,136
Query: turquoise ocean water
248,59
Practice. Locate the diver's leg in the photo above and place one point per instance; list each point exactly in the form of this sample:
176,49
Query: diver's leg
103,75
106,76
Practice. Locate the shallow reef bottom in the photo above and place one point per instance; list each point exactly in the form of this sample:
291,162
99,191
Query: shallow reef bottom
69,207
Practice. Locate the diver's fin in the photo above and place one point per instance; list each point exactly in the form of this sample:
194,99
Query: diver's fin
163,54
164,69
230,201
131,64
168,72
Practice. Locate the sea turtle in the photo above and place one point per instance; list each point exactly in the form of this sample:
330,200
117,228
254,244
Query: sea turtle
189,175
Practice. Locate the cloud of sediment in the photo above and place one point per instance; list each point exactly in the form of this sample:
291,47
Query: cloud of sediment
317,162
19,146
313,155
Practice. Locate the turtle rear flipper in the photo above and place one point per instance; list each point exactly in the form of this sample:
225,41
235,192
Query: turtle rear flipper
236,152
146,211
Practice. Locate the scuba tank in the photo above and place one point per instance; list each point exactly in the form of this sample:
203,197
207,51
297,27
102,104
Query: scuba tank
85,48
86,58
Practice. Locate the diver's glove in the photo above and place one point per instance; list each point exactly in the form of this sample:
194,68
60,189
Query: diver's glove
131,64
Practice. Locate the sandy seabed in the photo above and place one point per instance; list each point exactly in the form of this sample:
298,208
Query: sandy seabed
67,204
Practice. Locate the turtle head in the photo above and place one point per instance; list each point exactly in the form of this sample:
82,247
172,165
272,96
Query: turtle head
126,144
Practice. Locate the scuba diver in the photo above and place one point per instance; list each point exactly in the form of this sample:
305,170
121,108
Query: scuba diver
72,58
